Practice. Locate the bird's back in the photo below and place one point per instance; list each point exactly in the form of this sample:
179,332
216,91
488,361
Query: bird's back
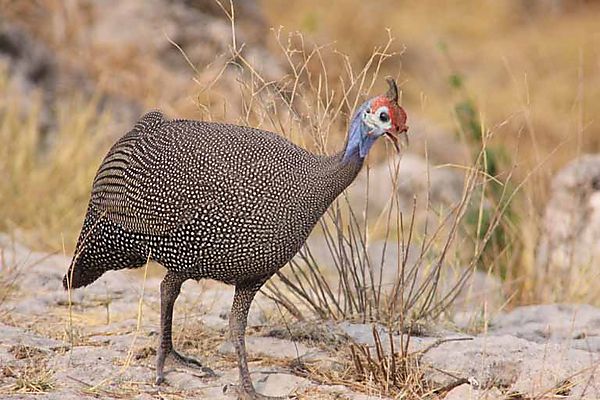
207,199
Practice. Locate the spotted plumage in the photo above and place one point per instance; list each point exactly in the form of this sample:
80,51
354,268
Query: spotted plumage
217,201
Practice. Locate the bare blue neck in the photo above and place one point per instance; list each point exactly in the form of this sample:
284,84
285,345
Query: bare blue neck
359,141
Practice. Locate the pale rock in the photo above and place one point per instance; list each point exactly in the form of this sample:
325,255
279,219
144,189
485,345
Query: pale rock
184,379
571,226
468,392
562,341
13,336
520,365
278,384
275,348
576,324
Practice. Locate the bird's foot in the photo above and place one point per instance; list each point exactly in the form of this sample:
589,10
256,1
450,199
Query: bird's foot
189,362
184,361
244,394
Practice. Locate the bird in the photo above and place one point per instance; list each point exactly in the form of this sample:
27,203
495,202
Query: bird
209,200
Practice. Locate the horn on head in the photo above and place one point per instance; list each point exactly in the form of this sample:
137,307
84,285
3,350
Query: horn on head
392,92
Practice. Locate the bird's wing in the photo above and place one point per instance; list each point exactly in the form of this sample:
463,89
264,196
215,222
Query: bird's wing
162,174
129,191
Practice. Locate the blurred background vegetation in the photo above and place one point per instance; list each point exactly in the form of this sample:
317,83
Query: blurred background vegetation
519,79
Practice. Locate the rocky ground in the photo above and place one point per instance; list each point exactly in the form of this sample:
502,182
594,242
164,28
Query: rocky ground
100,342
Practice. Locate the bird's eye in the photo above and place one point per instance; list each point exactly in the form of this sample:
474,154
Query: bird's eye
384,117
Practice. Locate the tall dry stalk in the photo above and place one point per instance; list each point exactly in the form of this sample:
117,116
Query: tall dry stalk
311,107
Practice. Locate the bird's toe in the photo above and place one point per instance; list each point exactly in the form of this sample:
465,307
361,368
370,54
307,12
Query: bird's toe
191,362
159,380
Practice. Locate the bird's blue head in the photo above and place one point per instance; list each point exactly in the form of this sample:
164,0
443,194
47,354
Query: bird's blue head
377,117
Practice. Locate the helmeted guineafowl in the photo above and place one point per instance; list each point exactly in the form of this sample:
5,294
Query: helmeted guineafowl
217,201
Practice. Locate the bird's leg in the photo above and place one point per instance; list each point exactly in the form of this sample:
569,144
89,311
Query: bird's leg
238,318
170,288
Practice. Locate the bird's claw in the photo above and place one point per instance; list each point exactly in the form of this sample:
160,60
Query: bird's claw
184,361
191,363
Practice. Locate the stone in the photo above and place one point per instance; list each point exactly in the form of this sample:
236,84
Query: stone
521,366
468,392
529,350
362,333
183,379
31,65
14,336
259,346
278,384
577,324
569,243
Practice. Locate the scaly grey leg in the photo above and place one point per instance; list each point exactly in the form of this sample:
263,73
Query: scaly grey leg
170,288
244,294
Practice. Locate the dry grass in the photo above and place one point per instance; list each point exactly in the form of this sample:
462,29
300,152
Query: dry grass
46,181
9,276
518,62
31,376
531,72
386,369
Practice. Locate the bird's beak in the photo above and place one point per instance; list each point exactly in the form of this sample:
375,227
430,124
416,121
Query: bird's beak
399,139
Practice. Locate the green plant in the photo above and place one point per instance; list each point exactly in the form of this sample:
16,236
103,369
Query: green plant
496,193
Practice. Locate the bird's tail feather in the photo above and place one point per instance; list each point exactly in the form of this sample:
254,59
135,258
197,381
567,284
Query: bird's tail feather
78,275
95,254
86,267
